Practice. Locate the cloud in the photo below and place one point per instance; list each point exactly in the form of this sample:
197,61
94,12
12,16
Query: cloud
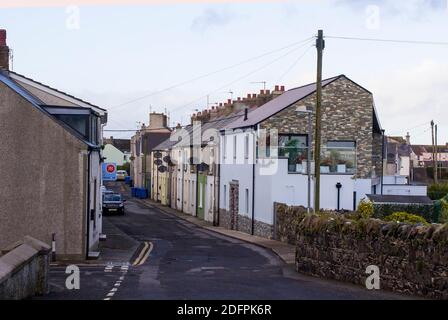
211,18
407,98
415,9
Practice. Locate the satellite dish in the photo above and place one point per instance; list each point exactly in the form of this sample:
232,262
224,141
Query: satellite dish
167,159
158,162
158,155
162,169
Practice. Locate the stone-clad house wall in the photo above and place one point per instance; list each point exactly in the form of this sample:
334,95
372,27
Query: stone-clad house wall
347,115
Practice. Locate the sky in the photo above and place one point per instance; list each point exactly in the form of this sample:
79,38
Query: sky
120,56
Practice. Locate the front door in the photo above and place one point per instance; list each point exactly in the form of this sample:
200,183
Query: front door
202,183
234,205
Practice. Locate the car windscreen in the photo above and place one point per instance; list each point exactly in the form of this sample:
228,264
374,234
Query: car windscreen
112,197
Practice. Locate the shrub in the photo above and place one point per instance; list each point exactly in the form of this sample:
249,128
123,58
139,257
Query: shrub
437,191
365,209
406,218
444,214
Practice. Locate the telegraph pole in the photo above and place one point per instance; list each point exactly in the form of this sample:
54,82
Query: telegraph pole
320,45
437,155
433,153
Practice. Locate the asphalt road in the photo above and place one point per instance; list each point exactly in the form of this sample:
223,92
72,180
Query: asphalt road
188,262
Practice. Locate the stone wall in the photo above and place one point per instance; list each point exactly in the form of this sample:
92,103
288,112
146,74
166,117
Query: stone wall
244,224
347,115
24,270
287,219
411,259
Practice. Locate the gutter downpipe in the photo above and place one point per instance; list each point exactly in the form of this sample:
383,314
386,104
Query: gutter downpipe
88,203
253,181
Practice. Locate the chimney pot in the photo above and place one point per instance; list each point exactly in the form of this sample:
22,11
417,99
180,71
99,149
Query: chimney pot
261,91
254,96
239,98
282,88
277,88
268,91
229,101
249,96
2,37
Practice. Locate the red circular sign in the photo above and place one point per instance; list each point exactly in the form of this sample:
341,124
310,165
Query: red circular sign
110,168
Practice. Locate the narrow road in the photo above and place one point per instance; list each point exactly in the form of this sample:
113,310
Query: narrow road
188,262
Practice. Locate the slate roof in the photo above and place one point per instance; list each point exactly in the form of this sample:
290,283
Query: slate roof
280,103
421,149
392,199
124,145
38,103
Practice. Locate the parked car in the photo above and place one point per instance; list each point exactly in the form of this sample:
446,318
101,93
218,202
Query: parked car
113,203
121,175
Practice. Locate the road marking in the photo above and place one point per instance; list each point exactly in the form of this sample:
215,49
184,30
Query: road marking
145,257
144,254
110,294
145,247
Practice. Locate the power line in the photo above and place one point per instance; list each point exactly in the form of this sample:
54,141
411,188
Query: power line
293,65
210,73
390,40
241,78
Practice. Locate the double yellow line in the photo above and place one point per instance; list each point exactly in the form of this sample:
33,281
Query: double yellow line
144,254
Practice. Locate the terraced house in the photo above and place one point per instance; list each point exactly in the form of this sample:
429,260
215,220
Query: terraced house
188,162
252,154
265,155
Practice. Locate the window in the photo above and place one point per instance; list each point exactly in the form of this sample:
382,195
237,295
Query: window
341,144
339,157
246,147
294,147
247,201
234,146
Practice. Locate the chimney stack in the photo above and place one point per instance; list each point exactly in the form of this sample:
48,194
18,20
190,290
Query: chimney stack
4,51
408,139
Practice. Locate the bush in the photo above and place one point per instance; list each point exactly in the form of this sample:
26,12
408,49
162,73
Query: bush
365,209
444,214
406,218
437,191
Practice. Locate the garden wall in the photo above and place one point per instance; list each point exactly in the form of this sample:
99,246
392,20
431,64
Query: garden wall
412,259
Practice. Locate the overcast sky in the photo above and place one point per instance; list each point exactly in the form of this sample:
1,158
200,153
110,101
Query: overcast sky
113,54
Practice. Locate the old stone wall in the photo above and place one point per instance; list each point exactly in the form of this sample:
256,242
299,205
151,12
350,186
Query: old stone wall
24,270
411,259
287,219
347,115
244,224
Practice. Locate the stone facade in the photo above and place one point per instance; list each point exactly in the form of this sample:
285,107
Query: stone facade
347,115
411,259
244,224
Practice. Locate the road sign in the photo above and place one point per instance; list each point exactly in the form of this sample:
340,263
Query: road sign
109,172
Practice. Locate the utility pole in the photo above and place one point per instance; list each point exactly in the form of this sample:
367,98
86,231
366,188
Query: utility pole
320,45
437,156
433,152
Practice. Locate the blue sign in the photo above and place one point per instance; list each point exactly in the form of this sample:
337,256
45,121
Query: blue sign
109,172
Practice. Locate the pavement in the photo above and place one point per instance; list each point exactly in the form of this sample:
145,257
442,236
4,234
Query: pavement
180,258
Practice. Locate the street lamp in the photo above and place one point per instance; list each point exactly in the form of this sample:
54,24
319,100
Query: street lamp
308,111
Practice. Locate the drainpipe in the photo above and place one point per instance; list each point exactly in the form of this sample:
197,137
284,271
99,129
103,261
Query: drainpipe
88,203
218,188
253,179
